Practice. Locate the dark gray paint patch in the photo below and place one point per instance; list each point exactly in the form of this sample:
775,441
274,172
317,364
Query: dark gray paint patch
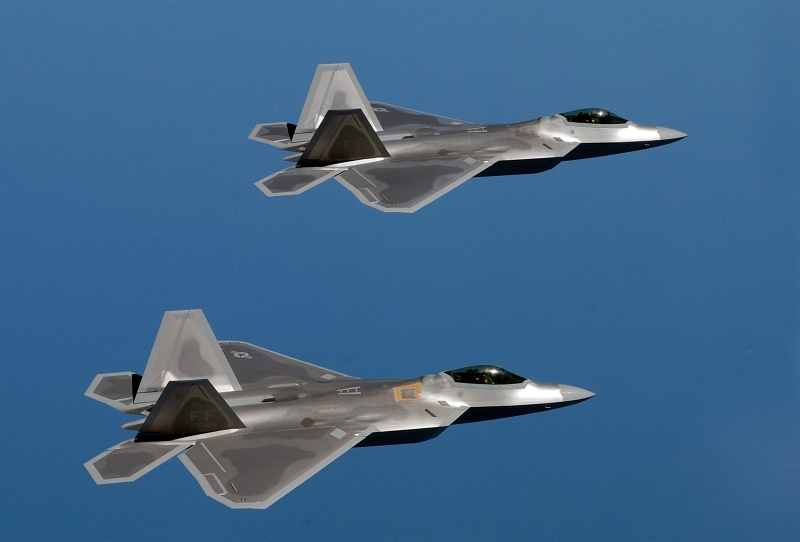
343,135
284,461
124,463
264,368
393,117
410,183
114,387
187,407
289,182
191,362
273,132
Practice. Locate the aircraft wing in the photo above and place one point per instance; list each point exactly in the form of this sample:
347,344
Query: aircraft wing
392,116
257,367
254,470
403,186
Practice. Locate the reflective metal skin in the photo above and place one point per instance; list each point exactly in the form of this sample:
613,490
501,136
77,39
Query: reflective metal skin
251,424
399,160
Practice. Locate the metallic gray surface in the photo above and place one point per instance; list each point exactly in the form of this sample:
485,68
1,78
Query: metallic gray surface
113,389
185,349
288,418
334,87
257,367
669,133
571,393
405,186
343,136
411,177
276,134
253,470
129,461
293,181
394,118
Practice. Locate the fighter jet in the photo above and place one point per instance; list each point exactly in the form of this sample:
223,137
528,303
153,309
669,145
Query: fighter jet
399,160
251,424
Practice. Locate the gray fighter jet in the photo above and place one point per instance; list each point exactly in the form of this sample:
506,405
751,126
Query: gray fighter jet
251,424
399,160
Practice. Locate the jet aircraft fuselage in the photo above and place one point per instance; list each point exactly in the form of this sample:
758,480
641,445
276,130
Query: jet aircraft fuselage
251,424
399,160
525,147
396,411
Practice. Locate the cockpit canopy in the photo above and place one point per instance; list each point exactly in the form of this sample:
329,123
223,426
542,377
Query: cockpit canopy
485,374
593,116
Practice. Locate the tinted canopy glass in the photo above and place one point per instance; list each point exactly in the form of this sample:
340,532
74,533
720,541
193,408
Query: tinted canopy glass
593,116
485,374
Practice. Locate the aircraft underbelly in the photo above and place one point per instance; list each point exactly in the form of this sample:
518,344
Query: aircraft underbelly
520,167
594,150
408,436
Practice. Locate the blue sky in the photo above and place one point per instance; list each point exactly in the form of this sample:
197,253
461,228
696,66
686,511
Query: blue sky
665,281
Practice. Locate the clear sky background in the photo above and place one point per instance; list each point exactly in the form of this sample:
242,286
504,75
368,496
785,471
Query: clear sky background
666,281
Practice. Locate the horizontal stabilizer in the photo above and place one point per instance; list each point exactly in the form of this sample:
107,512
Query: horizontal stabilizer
115,389
334,87
129,460
292,181
185,349
344,136
188,408
277,134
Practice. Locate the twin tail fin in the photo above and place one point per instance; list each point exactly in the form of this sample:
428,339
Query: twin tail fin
180,392
184,410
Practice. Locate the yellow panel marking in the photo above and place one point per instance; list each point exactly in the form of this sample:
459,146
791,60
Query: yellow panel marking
408,393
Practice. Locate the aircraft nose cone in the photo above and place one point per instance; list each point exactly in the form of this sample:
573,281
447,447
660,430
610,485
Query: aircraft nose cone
572,394
668,134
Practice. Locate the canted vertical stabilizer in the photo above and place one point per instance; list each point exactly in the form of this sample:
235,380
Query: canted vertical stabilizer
334,87
187,408
185,349
343,136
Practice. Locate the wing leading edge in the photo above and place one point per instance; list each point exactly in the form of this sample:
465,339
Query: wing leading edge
396,118
257,367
